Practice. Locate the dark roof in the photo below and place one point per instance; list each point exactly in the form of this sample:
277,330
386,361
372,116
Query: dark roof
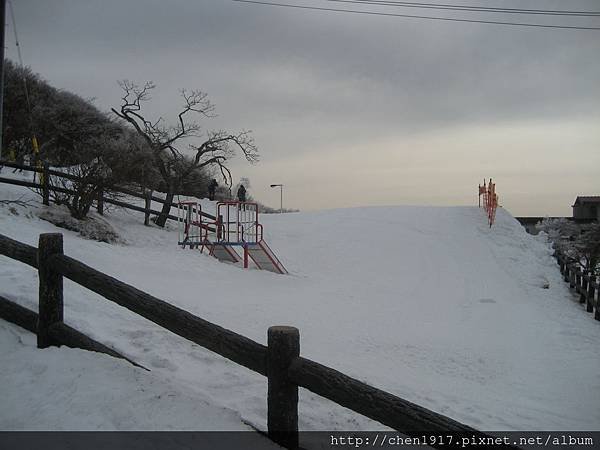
587,199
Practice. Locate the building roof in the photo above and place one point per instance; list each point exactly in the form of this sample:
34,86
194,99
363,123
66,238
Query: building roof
587,199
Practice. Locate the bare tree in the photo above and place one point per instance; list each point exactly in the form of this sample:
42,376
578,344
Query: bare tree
173,165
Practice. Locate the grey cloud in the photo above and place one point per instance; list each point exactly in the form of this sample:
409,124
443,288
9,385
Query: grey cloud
414,69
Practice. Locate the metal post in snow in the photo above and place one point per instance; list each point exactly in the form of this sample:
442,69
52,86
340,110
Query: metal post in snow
280,196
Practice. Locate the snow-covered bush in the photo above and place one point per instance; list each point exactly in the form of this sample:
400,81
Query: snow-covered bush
94,228
587,248
579,243
559,229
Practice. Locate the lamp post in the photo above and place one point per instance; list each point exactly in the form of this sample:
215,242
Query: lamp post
280,196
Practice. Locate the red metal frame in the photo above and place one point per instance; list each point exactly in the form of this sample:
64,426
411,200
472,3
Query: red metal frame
245,216
238,228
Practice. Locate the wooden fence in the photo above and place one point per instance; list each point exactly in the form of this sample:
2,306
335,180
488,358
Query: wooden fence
586,285
45,187
279,361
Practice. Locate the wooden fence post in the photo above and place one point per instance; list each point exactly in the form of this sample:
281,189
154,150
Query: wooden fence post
589,293
147,206
572,272
45,184
596,280
50,287
100,202
578,285
282,397
561,263
583,287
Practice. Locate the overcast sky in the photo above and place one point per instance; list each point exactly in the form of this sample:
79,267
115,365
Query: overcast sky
349,109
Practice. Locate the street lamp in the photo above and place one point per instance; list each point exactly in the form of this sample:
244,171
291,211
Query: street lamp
280,195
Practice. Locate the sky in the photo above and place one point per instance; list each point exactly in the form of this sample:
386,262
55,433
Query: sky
351,109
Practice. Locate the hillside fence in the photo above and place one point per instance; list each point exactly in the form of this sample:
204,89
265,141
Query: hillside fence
279,361
45,188
490,200
584,283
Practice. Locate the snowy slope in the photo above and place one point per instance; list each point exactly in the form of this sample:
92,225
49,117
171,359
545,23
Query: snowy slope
427,303
70,389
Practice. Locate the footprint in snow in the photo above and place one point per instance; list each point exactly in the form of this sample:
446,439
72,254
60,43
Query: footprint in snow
162,363
136,334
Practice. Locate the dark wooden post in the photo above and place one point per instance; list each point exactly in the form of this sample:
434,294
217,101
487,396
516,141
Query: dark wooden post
282,397
589,293
572,272
100,202
583,286
597,301
147,206
561,263
50,287
45,184
579,285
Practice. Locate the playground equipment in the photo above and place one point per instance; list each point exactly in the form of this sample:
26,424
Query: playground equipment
236,225
490,200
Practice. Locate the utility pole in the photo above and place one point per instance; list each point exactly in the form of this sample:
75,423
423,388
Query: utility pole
3,25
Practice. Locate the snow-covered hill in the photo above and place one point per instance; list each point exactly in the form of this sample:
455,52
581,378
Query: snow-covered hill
427,303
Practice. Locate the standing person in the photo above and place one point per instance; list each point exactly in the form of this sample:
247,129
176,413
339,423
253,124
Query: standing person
212,187
241,193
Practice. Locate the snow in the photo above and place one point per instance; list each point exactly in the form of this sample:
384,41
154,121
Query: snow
71,389
427,303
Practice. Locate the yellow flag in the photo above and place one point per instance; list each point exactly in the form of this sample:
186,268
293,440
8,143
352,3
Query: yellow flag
36,148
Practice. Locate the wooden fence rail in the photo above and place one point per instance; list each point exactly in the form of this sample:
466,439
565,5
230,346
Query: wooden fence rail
587,286
24,253
45,187
227,343
279,361
371,402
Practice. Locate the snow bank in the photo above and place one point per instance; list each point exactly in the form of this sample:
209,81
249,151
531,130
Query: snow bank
70,389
